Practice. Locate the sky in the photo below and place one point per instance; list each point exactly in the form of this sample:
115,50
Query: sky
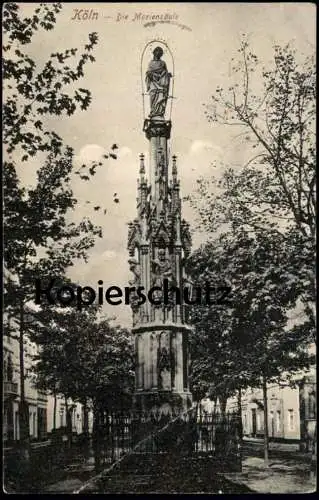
203,38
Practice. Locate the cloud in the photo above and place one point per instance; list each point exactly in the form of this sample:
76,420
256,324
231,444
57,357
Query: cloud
109,255
124,151
199,145
91,152
95,152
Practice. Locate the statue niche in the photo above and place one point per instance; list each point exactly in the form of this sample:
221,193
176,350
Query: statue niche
157,84
135,268
165,367
161,269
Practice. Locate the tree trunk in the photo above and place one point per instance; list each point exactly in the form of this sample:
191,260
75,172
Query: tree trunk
23,406
266,432
223,404
240,413
96,438
68,422
85,419
313,465
24,431
85,430
215,405
54,411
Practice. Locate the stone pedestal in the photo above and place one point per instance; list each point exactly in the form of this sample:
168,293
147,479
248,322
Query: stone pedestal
162,365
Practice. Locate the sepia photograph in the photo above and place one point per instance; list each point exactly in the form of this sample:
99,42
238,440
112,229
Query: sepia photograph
159,248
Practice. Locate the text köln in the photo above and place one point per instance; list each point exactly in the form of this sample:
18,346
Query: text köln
85,15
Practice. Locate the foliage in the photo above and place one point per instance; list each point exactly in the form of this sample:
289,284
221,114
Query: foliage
84,357
39,239
235,344
275,191
30,92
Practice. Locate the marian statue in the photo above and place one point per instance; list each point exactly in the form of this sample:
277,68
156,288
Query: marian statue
135,268
157,84
164,367
161,269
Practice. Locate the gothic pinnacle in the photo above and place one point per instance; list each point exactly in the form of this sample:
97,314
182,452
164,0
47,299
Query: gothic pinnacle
142,165
174,167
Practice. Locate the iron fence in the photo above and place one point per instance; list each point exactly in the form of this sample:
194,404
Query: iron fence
191,434
148,440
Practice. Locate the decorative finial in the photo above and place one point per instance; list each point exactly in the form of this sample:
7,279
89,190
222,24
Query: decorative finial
142,165
174,166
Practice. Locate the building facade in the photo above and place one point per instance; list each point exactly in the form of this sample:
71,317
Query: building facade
56,415
44,413
37,400
283,413
308,410
291,411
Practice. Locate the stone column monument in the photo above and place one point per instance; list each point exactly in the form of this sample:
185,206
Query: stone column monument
158,243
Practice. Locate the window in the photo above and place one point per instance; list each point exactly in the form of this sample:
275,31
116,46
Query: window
7,330
61,417
34,424
5,424
272,424
16,426
8,369
258,421
5,373
31,423
245,420
291,420
312,405
278,421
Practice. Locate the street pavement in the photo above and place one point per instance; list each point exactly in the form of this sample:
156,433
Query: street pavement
288,472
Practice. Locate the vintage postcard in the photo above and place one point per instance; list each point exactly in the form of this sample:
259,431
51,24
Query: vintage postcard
159,180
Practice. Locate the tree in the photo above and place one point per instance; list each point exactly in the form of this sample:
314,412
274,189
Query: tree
84,358
30,93
39,239
244,343
273,195
276,189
